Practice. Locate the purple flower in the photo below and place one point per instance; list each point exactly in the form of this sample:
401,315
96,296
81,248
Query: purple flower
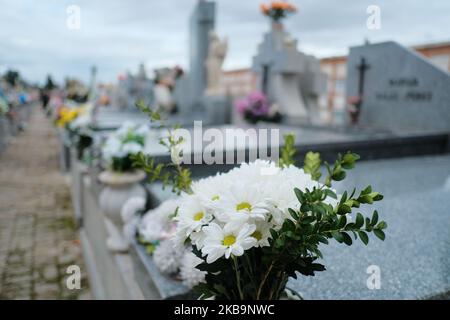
256,103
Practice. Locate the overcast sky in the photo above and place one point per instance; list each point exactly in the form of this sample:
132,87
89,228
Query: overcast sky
116,35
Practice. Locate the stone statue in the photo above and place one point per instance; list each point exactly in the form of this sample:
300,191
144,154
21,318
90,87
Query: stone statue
216,55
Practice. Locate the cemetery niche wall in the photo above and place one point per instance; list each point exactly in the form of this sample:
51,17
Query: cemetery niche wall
398,90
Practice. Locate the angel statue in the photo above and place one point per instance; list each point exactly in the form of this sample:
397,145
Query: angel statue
216,55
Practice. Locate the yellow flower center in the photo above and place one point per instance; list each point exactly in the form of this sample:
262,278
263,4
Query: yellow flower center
244,206
257,235
229,240
199,216
215,198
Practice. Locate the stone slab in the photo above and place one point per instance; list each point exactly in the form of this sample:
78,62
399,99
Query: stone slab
402,89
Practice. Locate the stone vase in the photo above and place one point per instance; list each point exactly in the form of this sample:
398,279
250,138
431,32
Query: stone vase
119,187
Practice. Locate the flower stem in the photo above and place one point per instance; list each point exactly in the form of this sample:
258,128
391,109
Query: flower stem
258,295
238,277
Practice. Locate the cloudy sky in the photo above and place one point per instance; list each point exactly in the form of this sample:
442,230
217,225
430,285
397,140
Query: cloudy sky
117,35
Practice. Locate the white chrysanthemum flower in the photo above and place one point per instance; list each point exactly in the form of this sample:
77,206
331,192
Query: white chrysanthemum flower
192,215
211,188
157,224
167,257
227,241
189,274
261,233
240,203
131,207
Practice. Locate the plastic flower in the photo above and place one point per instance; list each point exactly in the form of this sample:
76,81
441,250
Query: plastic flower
189,274
157,224
132,207
167,257
228,241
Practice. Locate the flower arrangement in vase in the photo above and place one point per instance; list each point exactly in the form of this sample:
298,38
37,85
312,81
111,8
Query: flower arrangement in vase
264,222
121,179
255,107
80,130
277,10
65,115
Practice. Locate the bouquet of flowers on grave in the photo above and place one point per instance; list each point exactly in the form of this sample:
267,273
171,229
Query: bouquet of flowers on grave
80,130
256,107
126,141
277,10
261,223
64,115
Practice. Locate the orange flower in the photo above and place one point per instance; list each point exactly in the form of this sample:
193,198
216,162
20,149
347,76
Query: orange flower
264,8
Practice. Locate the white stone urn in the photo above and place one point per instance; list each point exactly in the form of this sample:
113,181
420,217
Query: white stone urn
119,187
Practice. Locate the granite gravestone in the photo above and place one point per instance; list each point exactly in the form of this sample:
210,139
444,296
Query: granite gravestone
189,92
398,89
201,24
290,78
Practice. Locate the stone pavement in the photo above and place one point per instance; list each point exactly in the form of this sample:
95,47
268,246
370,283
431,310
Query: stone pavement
38,240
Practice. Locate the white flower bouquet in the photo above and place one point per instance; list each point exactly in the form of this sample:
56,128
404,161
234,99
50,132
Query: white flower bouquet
126,141
263,222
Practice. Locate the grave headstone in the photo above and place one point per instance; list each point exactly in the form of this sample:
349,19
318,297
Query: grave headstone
289,78
398,89
201,23
189,92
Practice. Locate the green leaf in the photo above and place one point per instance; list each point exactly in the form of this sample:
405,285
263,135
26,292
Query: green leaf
300,195
330,193
344,209
337,236
293,214
348,160
374,218
379,233
322,239
363,236
382,225
288,225
308,220
342,222
376,196
359,222
339,175
367,190
346,238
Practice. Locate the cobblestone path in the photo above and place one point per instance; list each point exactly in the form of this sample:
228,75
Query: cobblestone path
38,240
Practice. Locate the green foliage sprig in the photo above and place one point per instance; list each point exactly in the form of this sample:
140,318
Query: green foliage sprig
170,174
288,151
